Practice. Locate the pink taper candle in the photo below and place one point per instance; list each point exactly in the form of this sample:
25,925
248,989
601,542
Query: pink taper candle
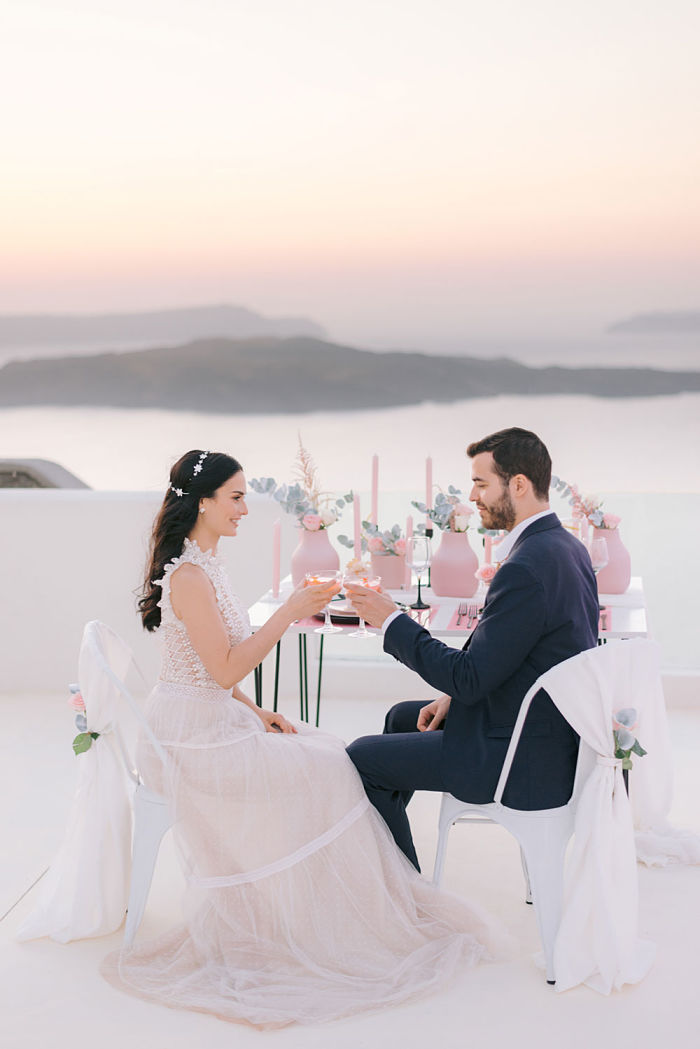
429,489
375,489
488,543
276,547
357,525
409,536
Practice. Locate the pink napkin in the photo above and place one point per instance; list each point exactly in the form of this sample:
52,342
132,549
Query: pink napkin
452,625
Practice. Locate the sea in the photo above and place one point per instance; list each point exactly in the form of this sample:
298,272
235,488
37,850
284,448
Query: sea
641,455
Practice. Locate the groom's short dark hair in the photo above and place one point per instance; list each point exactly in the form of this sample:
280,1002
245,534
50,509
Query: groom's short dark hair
517,451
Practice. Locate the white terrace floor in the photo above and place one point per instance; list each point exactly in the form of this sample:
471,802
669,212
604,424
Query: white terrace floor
52,995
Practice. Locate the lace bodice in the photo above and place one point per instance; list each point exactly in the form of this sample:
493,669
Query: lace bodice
181,664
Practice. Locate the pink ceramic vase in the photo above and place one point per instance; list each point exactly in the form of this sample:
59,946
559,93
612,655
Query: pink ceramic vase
313,554
391,568
615,577
453,566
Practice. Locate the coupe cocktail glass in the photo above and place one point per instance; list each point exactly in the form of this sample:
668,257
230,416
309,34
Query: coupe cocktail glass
316,579
372,583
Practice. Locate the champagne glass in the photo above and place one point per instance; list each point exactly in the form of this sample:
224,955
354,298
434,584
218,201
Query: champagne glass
599,554
314,579
420,560
373,583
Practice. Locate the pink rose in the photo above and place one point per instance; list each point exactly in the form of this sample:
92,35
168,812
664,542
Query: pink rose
486,573
463,510
312,522
375,544
400,546
611,520
77,702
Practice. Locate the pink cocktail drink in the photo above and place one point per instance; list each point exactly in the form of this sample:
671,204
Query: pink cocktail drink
319,579
371,583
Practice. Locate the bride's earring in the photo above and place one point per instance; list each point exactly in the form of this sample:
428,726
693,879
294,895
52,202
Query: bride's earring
201,509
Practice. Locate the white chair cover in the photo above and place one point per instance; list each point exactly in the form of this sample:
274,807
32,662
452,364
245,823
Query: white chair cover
651,781
597,942
85,891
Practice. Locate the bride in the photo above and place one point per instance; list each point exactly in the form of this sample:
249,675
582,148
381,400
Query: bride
299,906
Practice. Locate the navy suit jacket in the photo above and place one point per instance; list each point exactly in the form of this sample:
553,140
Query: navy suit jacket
541,608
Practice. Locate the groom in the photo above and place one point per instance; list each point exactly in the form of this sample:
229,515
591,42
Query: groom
541,608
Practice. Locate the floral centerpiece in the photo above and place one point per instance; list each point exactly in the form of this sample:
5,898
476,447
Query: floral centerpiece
615,577
586,506
315,510
449,513
387,550
453,567
377,542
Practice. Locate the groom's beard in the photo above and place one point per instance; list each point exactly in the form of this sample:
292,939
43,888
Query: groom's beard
500,515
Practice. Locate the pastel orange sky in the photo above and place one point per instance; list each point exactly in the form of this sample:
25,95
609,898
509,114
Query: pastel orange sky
391,169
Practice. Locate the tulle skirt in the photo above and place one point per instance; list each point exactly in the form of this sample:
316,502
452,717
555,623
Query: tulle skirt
299,906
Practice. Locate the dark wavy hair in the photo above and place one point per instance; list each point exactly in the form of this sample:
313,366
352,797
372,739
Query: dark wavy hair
517,451
177,517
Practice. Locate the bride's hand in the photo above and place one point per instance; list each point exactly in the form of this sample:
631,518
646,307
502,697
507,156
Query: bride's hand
308,599
274,722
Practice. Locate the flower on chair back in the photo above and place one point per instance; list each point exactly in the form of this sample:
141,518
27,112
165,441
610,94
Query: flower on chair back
83,741
626,743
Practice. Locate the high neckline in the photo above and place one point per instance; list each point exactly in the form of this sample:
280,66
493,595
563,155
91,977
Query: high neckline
193,547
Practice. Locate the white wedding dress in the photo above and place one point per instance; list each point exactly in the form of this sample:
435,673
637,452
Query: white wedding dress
299,905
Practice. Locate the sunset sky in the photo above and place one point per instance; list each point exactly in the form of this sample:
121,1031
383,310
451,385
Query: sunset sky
396,169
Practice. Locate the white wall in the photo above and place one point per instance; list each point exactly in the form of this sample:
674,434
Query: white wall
70,556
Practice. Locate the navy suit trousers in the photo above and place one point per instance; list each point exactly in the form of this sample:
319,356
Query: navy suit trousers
394,765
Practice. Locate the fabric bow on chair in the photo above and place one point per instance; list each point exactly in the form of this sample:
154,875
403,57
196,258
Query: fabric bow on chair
597,942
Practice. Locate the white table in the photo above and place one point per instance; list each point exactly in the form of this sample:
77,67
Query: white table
626,617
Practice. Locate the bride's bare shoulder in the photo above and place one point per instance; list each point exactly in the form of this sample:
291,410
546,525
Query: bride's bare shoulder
190,582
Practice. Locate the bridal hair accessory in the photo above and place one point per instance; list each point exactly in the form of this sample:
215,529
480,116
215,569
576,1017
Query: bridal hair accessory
198,467
197,470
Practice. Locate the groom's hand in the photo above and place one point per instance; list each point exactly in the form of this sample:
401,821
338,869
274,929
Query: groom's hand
433,715
374,606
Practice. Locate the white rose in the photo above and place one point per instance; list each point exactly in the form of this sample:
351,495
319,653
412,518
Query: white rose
461,522
328,517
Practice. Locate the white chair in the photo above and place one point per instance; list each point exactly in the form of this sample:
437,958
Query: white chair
152,815
542,834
